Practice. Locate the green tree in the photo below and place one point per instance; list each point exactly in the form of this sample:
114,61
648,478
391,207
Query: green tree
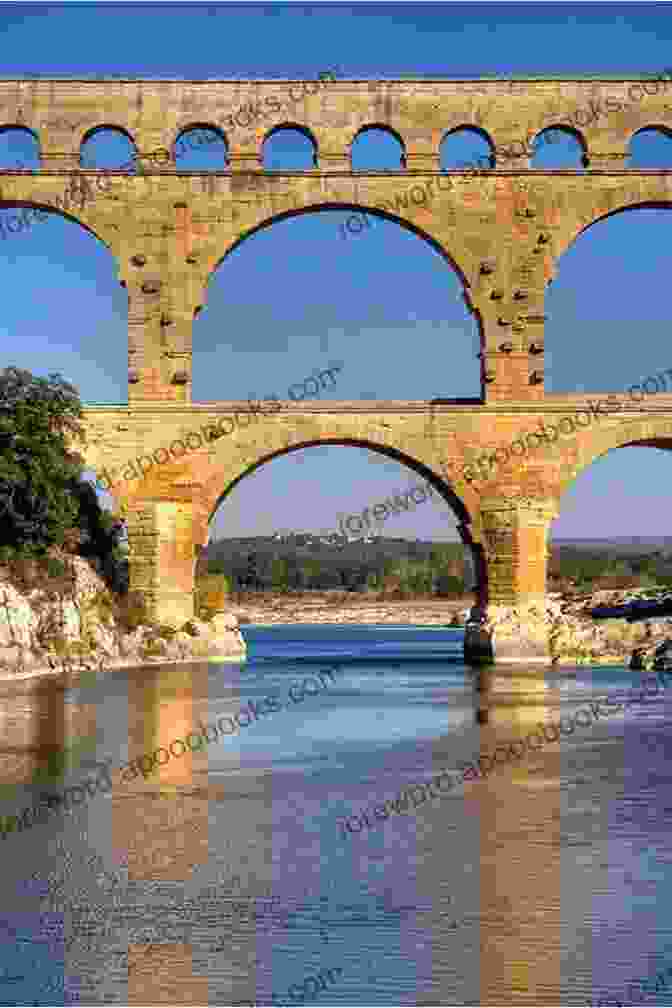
279,574
43,500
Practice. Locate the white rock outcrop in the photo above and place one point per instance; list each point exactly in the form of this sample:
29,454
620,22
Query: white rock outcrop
563,632
38,630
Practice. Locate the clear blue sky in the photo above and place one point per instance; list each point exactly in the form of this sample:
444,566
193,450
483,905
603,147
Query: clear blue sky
299,295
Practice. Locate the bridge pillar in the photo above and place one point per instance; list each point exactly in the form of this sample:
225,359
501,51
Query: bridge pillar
509,622
515,540
161,558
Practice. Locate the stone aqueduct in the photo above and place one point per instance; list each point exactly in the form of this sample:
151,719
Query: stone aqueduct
502,230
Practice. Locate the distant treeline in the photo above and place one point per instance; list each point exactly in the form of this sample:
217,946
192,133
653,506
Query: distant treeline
404,568
590,569
304,563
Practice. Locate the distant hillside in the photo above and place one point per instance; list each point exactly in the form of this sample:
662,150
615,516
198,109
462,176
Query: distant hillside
308,561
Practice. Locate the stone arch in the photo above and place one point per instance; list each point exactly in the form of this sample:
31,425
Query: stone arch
28,139
378,130
548,135
459,257
482,161
288,129
127,162
651,133
274,444
461,261
37,206
629,196
198,142
649,432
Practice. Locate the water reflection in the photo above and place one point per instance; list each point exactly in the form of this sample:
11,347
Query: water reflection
41,736
160,820
456,902
518,807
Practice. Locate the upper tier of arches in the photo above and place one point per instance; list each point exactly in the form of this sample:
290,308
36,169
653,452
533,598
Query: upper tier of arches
334,116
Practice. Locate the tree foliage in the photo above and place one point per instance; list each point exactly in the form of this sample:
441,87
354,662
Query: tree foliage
44,502
307,563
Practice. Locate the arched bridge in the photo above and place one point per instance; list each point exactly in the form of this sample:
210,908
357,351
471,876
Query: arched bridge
502,229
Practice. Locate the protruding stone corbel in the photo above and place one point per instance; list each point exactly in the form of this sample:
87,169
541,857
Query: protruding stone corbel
180,378
536,378
506,347
488,266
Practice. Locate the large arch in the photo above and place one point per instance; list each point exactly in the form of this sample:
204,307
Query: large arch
448,298
214,495
602,294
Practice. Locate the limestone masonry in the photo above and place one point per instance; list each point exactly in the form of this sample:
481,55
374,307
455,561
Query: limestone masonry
503,229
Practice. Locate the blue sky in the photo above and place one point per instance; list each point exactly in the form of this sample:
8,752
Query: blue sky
302,293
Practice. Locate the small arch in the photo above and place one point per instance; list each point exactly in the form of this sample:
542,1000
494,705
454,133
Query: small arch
651,147
558,147
289,147
466,148
19,148
108,147
377,148
200,147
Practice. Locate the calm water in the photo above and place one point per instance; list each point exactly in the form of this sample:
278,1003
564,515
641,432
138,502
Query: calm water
547,883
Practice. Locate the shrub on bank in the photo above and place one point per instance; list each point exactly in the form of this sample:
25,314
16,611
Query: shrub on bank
45,505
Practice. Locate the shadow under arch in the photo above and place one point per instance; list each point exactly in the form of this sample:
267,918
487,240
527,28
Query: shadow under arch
407,225
436,481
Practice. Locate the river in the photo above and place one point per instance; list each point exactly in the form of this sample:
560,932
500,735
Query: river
228,878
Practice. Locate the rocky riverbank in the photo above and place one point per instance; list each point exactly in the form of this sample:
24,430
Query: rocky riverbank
44,632
562,631
41,634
